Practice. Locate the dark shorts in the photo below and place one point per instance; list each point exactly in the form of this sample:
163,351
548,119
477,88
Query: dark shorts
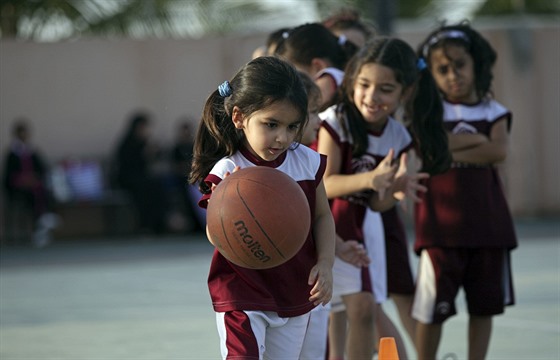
483,273
399,273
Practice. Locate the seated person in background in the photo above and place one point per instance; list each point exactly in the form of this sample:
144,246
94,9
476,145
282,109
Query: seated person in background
25,174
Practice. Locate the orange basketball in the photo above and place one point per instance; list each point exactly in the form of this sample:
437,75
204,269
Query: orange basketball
258,217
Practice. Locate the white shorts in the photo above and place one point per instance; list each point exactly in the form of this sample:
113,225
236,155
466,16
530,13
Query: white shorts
374,238
347,278
265,335
315,342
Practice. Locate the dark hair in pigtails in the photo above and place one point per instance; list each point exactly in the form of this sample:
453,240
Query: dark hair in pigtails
423,110
256,85
216,137
426,125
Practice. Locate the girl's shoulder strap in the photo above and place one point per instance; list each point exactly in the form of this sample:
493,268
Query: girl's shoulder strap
336,122
336,74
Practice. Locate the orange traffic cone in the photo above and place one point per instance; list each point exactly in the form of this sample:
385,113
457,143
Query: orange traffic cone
388,349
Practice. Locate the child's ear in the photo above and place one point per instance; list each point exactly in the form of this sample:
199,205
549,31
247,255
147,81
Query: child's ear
318,64
237,117
407,94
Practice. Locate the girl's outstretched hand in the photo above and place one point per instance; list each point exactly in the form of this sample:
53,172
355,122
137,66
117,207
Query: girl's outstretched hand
407,183
321,279
352,252
383,175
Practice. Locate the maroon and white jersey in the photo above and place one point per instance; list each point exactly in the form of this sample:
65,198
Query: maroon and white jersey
282,289
465,206
348,212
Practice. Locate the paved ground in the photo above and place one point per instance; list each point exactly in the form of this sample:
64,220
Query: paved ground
146,299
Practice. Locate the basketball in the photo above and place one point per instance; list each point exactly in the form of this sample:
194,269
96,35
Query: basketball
258,217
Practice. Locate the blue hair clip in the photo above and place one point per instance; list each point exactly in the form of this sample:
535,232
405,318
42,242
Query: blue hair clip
224,89
342,40
421,64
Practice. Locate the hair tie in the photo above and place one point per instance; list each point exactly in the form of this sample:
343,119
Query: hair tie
444,34
224,89
342,40
421,64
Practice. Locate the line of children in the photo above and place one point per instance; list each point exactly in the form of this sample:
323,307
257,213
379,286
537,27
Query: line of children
362,141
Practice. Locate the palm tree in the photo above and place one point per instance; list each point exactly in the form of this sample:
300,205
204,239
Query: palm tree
59,19
31,19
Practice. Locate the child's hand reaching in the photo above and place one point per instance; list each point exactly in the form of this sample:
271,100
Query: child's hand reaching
407,182
321,277
352,252
383,175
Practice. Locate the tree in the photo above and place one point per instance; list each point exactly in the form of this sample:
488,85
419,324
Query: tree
60,19
30,19
505,7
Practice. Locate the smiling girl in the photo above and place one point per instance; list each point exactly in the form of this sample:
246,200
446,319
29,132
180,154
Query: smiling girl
359,135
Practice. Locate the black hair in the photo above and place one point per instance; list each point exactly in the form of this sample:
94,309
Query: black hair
275,37
313,40
462,34
423,109
20,126
260,83
136,120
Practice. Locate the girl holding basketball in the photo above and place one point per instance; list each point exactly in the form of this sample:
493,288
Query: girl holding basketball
470,249
256,119
360,134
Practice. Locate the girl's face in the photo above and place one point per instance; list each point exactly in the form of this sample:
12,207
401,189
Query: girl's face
313,123
143,131
270,131
453,70
377,94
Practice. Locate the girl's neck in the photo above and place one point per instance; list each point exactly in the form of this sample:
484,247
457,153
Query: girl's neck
378,126
258,161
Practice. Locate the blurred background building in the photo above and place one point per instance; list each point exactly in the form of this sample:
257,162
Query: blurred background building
78,70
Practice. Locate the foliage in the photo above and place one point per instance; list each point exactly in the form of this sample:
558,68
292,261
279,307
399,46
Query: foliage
32,19
505,7
62,19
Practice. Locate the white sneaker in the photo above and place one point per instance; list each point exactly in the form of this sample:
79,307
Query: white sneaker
41,238
48,221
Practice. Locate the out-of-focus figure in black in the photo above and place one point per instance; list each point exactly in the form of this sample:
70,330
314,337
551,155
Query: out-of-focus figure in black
181,158
136,154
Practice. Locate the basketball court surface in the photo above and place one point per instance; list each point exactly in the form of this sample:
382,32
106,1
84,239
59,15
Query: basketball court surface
146,299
